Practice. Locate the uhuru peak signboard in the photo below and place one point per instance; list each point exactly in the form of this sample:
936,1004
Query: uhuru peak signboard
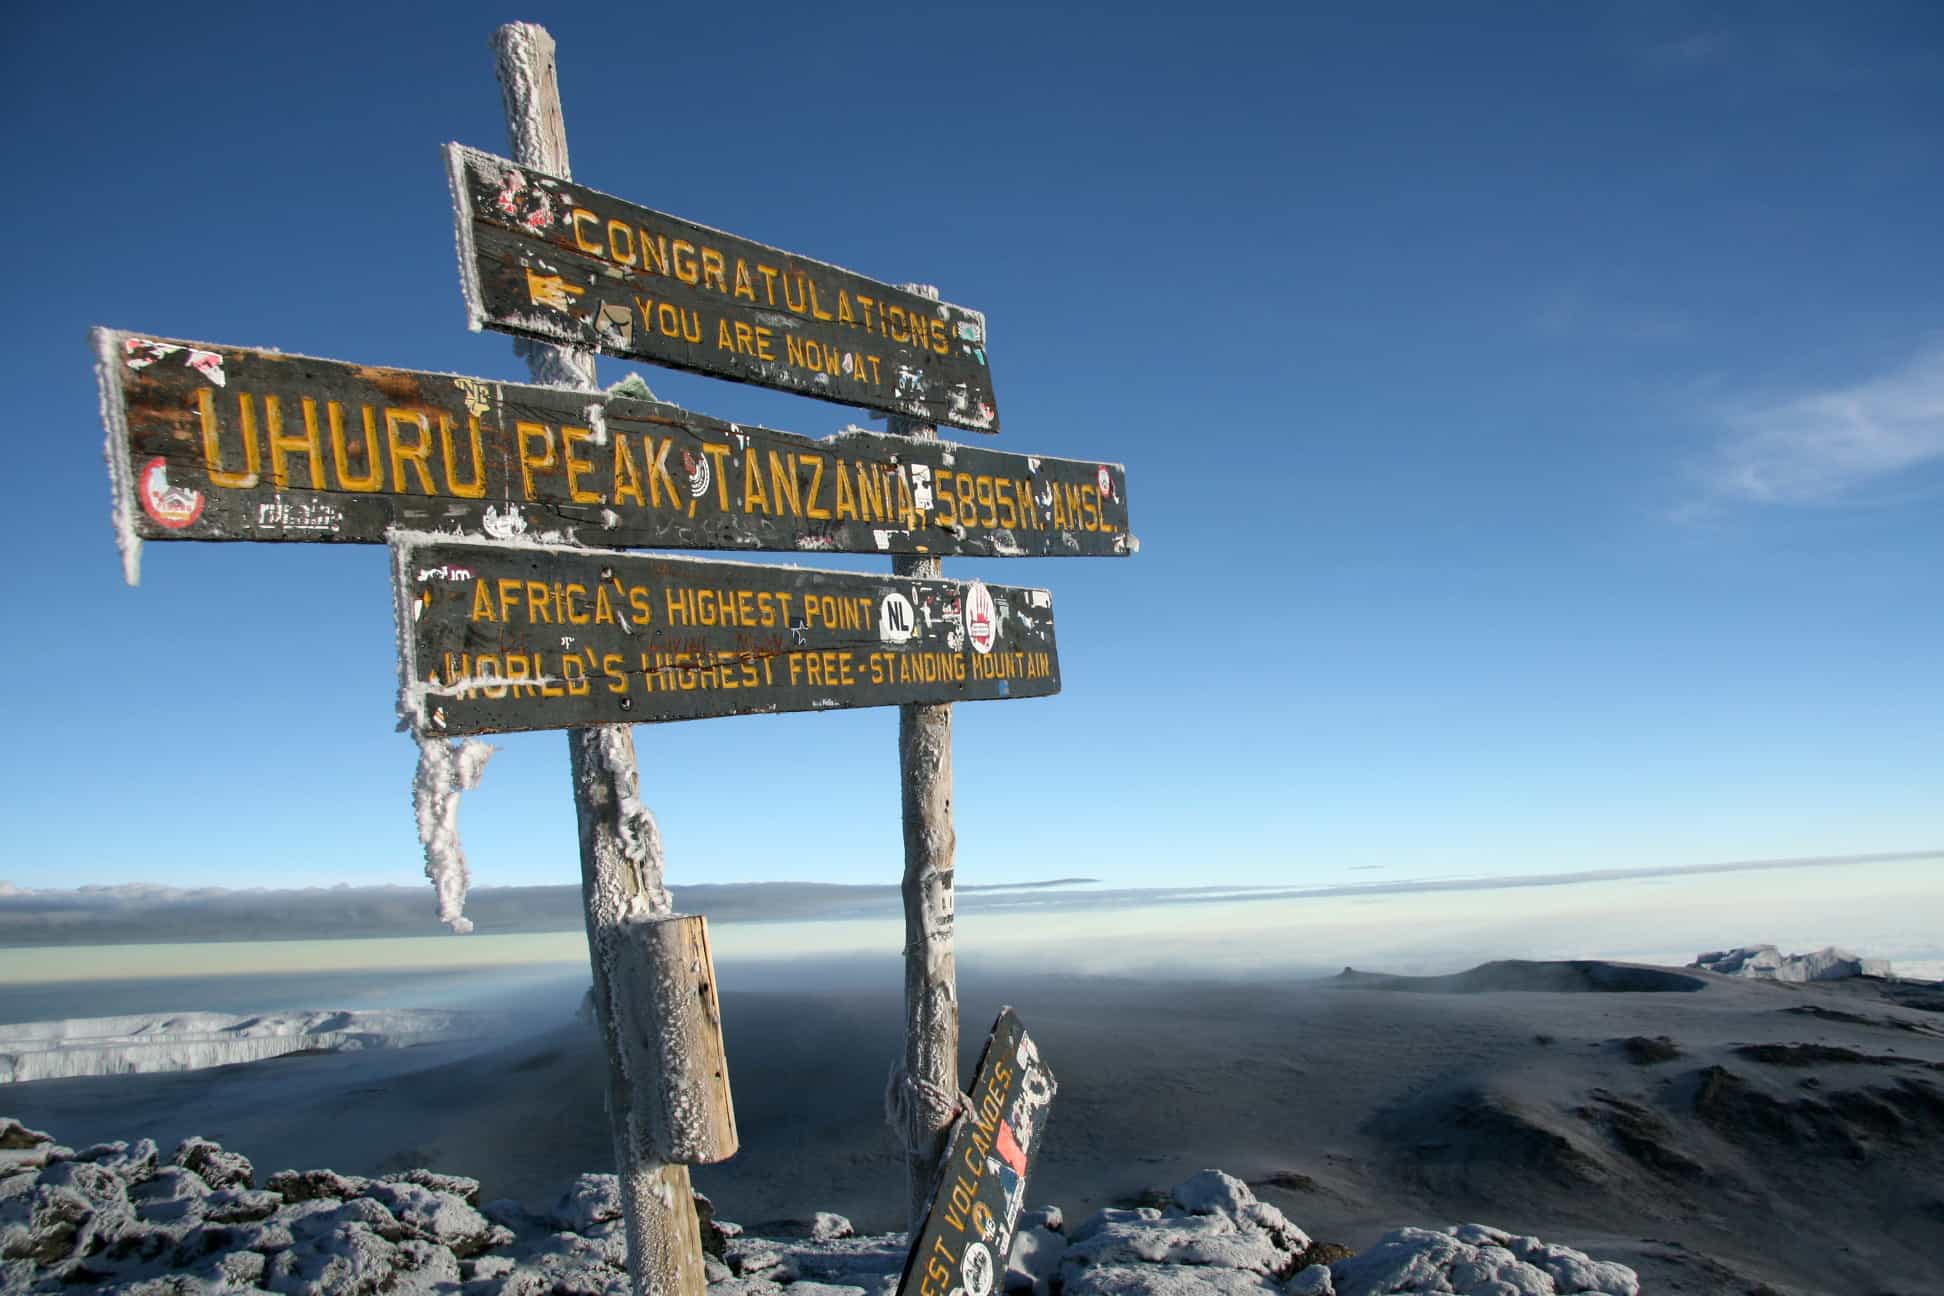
554,260
496,637
214,442
961,1249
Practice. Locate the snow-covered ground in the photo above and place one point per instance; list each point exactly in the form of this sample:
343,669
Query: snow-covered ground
91,1046
117,1218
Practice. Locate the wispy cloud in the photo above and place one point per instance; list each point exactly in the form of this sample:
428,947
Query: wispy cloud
1825,445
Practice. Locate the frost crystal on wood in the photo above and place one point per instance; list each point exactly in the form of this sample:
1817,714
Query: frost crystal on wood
121,472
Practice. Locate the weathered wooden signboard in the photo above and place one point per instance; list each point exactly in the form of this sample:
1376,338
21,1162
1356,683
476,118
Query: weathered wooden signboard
967,1234
212,442
497,637
548,258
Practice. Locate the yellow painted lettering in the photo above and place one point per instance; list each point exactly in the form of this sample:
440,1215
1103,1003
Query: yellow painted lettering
476,488
783,482
569,436
754,496
213,449
310,445
374,475
620,238
627,477
527,432
398,421
684,261
579,216
811,508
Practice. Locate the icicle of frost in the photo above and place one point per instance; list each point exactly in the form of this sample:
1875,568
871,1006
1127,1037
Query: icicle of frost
445,770
121,471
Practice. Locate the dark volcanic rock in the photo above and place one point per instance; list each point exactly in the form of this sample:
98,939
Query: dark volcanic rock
1567,977
1641,1135
1645,1051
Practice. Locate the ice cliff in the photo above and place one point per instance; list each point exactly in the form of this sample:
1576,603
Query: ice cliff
190,1041
1770,964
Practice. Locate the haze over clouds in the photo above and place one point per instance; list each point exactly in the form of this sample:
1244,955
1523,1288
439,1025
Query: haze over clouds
1886,906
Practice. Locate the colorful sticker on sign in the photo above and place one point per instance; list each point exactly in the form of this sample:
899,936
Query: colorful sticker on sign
981,618
174,507
976,1269
1105,480
896,619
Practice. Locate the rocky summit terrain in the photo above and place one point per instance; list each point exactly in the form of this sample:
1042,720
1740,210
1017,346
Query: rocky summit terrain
116,1217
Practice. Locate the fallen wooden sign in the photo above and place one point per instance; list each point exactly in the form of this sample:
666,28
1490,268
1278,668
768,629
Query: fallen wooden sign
962,1246
496,637
547,258
209,442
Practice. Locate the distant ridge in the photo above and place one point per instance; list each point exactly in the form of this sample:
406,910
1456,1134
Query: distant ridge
144,913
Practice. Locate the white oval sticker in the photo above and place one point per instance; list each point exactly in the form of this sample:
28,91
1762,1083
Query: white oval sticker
981,617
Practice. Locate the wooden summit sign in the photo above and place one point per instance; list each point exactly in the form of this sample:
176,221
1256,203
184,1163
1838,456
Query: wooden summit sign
212,442
962,1246
497,637
551,259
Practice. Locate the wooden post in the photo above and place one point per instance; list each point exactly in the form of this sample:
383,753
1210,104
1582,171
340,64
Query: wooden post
621,854
924,1096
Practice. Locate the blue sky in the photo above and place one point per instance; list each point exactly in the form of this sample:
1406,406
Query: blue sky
1533,415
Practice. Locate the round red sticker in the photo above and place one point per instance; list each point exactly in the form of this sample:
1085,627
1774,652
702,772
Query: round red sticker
174,507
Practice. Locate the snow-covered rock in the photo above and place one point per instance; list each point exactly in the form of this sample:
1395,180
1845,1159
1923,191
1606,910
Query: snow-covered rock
1167,1280
219,1169
824,1226
1212,1192
1046,1217
309,1185
441,1217
1765,962
1215,1223
1313,1280
1477,1260
589,1200
1035,1261
133,1163
22,1148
